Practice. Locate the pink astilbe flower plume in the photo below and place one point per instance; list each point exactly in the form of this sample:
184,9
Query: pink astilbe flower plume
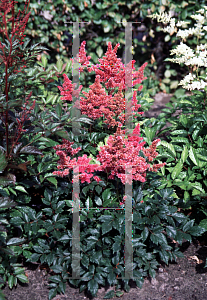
68,89
120,153
95,100
82,58
67,163
98,103
110,68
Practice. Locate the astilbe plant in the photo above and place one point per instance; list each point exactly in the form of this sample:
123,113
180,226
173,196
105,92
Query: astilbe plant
15,110
156,220
119,151
15,100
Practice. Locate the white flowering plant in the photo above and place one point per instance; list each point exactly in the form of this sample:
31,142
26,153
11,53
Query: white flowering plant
193,58
185,146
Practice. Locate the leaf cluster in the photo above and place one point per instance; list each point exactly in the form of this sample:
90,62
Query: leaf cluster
184,150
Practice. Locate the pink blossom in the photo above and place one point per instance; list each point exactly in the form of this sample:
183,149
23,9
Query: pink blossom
82,58
97,103
120,153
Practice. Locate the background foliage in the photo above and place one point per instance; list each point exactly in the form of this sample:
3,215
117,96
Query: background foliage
48,25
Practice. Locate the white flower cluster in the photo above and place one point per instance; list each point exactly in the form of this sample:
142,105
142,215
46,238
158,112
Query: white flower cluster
182,23
189,83
184,54
165,18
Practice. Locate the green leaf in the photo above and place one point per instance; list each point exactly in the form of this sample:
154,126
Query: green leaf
106,218
178,217
203,224
171,231
55,278
188,225
180,132
111,277
44,61
35,257
21,189
23,278
197,230
98,189
106,227
62,287
99,51
158,238
62,133
116,247
15,241
93,287
68,66
82,287
52,180
85,260
18,270
184,154
96,258
145,234
106,194
98,200
192,155
169,147
109,295
57,268
11,281
52,293
198,186
59,65
186,196
119,293
174,84
177,169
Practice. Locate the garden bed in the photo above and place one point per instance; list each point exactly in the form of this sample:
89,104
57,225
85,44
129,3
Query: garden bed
184,280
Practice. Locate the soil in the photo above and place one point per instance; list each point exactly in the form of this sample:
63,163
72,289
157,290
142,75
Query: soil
185,279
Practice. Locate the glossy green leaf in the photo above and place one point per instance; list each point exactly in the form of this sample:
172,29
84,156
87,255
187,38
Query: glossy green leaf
21,189
184,154
119,293
109,295
106,227
23,278
11,281
177,169
52,180
203,224
193,156
170,147
180,132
